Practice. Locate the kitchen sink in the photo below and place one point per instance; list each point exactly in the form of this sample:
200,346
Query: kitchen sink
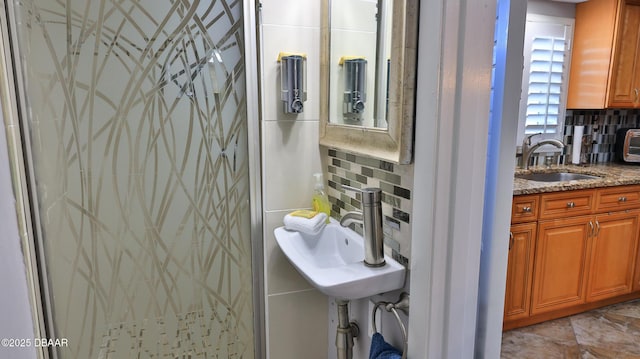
557,177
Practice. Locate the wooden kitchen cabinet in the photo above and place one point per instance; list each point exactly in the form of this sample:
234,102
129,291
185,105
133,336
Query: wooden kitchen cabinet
567,204
519,271
624,87
617,198
613,255
605,70
525,208
636,279
561,261
578,250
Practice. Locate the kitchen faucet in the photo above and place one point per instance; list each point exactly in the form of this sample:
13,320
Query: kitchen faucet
371,220
527,148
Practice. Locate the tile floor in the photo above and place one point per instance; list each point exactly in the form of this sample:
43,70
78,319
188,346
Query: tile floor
609,332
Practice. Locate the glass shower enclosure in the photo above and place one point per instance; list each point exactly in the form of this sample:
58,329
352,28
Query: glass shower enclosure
135,126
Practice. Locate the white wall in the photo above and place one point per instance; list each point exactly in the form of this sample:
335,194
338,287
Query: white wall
296,314
15,309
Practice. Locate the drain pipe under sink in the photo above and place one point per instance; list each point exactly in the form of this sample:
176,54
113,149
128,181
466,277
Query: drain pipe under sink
346,331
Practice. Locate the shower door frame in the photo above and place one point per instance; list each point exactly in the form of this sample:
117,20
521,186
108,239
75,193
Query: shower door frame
14,111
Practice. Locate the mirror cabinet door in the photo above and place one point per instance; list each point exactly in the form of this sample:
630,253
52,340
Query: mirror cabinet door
368,60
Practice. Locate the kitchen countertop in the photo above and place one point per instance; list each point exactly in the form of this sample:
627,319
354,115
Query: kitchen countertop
612,174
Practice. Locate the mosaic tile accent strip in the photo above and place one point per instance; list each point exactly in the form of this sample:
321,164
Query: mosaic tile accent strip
598,138
193,337
396,182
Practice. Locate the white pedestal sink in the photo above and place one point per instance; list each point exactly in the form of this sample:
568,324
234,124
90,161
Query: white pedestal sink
333,262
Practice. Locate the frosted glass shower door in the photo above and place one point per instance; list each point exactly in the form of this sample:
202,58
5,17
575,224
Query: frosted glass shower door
136,125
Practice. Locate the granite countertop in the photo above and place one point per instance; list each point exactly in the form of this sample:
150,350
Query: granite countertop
612,174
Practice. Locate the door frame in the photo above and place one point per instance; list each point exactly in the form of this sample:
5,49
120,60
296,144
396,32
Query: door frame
13,106
458,275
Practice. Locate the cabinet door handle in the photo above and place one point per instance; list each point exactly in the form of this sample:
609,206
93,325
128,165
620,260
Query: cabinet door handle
622,199
526,209
592,231
570,204
510,240
635,92
597,228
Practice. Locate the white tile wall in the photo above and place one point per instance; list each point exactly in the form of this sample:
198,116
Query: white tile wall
282,277
297,315
342,15
299,13
298,326
291,157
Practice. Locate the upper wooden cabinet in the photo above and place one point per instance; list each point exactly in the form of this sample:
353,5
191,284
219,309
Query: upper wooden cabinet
605,63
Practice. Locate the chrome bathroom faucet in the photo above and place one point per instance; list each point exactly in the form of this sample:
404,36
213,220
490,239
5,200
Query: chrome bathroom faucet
527,148
371,220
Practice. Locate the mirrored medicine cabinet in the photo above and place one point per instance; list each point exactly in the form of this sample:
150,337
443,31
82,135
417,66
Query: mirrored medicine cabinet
368,69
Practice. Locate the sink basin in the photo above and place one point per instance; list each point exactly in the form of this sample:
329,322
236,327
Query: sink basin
556,177
333,262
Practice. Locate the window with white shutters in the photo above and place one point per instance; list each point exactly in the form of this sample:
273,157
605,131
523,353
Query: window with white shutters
545,76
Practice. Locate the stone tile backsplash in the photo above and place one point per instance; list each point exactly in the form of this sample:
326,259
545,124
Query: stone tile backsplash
599,134
396,182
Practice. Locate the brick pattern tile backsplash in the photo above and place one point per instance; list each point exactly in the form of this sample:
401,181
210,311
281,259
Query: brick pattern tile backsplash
600,128
361,172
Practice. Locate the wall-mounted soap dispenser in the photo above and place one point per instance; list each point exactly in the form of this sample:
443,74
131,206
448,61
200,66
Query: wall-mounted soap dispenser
293,80
355,91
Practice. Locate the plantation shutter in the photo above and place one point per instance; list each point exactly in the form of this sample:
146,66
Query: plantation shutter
546,76
547,56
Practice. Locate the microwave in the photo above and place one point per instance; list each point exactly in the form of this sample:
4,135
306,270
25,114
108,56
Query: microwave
627,146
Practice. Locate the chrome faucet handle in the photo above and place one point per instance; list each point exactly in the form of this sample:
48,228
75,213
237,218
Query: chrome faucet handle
349,188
